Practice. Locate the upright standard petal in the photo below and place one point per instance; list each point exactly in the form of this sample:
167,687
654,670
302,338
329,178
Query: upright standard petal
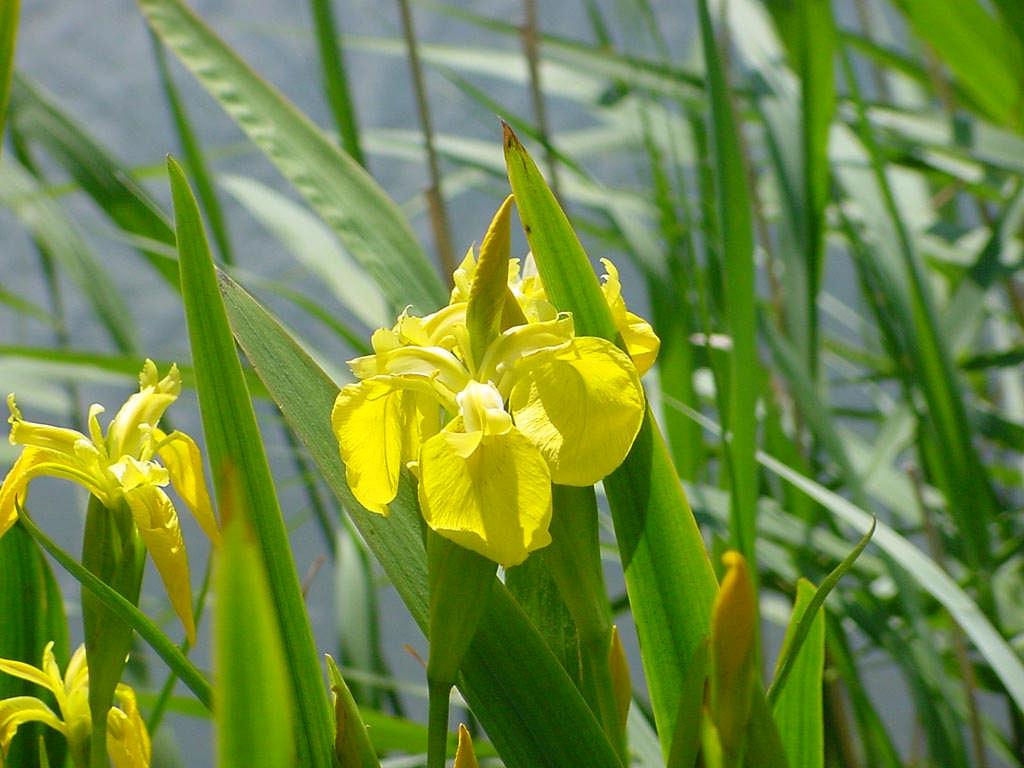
157,523
582,405
378,423
184,463
493,498
146,406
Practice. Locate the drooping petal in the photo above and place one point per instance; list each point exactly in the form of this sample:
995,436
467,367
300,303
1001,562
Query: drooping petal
34,462
155,395
128,742
157,522
582,406
378,423
495,501
184,463
18,710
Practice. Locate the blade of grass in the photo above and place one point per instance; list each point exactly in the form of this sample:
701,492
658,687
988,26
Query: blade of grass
110,184
808,619
365,219
233,441
798,706
332,67
737,251
255,709
195,161
9,14
55,233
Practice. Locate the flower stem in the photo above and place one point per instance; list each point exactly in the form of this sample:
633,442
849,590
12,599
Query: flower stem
437,725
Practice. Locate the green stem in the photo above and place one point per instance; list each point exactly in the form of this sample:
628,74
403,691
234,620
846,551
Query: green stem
113,551
437,725
575,559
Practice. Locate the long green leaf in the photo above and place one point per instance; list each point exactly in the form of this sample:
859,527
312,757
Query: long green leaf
236,450
109,183
507,665
798,707
668,575
9,14
364,218
55,233
332,65
255,710
32,615
736,239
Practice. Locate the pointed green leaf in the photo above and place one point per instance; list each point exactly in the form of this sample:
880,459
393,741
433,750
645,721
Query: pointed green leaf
235,446
255,710
798,707
352,745
365,219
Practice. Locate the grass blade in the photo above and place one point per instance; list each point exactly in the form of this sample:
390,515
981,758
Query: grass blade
332,65
365,219
9,14
235,447
110,184
736,239
254,701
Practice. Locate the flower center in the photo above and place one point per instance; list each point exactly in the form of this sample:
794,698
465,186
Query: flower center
482,409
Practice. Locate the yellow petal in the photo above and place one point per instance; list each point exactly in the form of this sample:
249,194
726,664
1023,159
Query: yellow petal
582,406
496,501
23,709
29,433
732,645
642,343
378,423
128,742
184,463
33,462
157,522
155,395
464,755
27,672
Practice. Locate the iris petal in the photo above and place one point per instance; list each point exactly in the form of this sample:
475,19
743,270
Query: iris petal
18,710
157,523
146,406
581,405
494,500
379,423
184,463
128,742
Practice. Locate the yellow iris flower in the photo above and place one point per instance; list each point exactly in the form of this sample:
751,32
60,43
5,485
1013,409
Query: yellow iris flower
122,467
542,405
127,739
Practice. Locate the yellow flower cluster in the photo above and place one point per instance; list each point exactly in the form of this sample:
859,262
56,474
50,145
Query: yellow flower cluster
122,467
487,433
127,739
